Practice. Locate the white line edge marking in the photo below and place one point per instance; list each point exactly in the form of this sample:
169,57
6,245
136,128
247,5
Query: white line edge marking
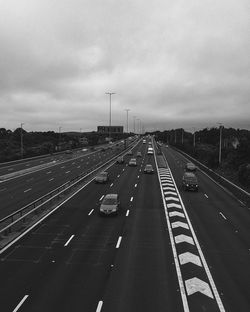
210,278
131,199
223,216
127,213
118,242
90,212
20,303
68,241
102,197
99,306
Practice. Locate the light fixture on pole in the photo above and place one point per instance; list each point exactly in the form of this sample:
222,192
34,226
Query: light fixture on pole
110,94
127,110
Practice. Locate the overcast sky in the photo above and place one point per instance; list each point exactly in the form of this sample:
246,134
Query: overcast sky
173,63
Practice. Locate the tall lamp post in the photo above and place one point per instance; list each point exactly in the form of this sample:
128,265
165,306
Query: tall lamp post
134,123
22,139
110,95
220,143
127,110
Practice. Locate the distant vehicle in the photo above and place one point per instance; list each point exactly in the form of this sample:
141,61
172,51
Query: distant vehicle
144,141
150,151
138,154
110,204
190,181
84,150
102,177
190,167
132,162
120,160
148,169
130,152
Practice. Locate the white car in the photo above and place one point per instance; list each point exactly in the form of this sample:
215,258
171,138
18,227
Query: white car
132,162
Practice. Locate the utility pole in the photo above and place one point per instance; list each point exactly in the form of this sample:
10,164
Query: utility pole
220,143
127,110
110,94
22,139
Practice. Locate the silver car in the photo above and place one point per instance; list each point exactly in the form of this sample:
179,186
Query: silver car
110,204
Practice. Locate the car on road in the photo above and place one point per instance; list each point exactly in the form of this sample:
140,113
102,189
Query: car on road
150,151
190,181
102,177
144,141
138,154
130,152
120,160
110,204
190,167
132,162
148,169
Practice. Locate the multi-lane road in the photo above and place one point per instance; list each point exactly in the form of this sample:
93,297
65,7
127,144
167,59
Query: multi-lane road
166,250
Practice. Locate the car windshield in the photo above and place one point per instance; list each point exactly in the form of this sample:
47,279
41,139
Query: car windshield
109,201
103,174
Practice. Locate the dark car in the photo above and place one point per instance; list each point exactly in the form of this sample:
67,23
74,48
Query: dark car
132,162
138,154
148,169
110,204
102,177
190,182
120,160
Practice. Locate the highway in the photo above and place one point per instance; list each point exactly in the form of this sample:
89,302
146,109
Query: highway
166,250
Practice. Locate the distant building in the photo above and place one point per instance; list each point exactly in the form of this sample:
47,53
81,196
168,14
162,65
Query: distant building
112,129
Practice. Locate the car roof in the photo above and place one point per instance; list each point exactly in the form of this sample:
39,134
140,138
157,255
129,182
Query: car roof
189,174
148,165
133,159
114,196
189,164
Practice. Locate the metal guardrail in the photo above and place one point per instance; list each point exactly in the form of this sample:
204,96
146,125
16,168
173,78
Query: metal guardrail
22,218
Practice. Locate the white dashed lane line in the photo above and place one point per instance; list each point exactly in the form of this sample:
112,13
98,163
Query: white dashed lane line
206,195
51,179
4,189
101,197
136,185
127,213
67,171
99,306
90,212
48,172
223,216
111,184
131,199
118,242
68,241
118,176
27,190
20,303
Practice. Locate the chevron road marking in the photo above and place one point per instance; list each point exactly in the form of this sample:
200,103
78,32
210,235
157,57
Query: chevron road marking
168,185
168,188
188,257
179,224
195,284
184,239
170,193
173,205
177,214
172,198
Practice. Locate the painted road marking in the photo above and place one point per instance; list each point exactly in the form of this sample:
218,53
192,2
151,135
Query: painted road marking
176,214
51,179
206,195
48,172
182,238
118,242
194,285
223,216
179,224
99,306
68,241
172,198
118,176
127,213
20,303
62,167
111,184
3,189
27,190
90,212
78,167
101,197
173,205
170,193
131,199
188,257
67,171
136,185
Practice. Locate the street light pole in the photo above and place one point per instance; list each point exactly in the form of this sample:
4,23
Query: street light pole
134,123
110,94
127,110
22,140
220,143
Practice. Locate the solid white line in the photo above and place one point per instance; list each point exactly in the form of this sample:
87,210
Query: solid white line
20,303
90,212
127,213
48,172
223,215
131,199
206,195
118,242
27,190
101,197
99,307
68,241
